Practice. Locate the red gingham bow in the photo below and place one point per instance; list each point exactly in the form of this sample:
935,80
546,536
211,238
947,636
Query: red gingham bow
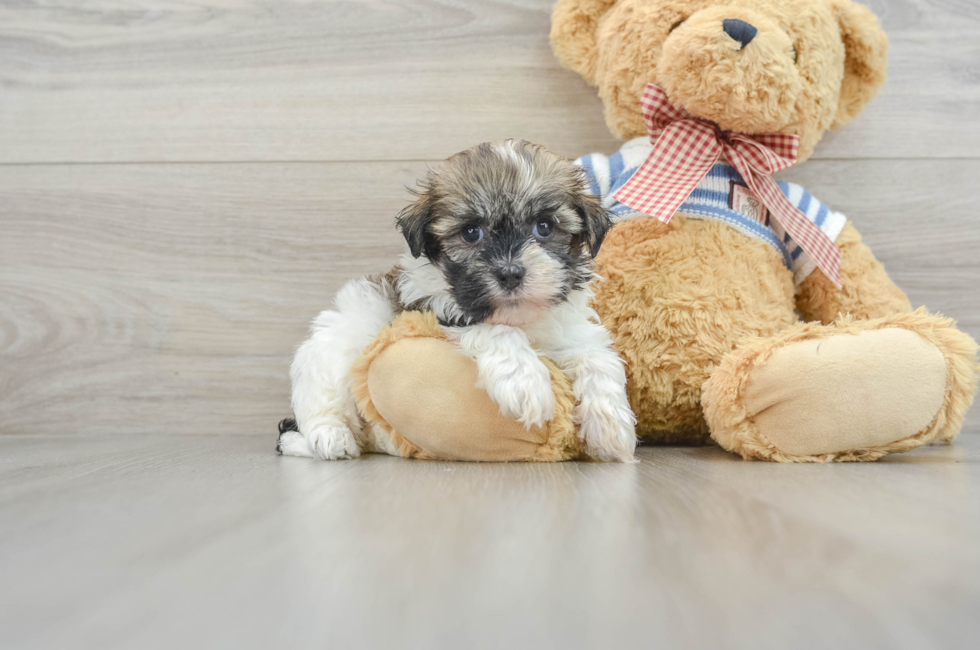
684,151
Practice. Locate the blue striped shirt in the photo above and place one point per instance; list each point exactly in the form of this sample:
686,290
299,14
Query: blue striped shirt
716,197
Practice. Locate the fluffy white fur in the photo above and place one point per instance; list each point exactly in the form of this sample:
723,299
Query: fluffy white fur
325,409
571,335
506,355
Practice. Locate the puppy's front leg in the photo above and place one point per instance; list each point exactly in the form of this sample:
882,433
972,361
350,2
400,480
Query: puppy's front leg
583,350
607,423
509,370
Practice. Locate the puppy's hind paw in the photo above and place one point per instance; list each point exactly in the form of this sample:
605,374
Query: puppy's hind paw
332,443
292,443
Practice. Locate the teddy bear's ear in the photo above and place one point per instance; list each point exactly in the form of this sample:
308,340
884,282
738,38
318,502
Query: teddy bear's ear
573,33
866,47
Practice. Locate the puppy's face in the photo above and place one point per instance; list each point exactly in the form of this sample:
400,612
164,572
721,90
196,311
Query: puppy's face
511,228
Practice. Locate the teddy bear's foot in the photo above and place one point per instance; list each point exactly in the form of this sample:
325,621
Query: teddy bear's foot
416,388
853,390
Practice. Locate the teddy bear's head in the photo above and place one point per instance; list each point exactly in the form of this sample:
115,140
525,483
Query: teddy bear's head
752,66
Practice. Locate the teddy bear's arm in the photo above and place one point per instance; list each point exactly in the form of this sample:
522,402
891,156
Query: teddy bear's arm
867,291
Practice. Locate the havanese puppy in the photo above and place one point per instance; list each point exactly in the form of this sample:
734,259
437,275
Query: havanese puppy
501,240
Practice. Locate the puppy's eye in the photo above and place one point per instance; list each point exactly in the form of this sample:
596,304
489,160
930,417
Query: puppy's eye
472,234
792,53
542,229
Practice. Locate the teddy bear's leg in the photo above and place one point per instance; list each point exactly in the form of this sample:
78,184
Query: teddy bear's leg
852,390
419,396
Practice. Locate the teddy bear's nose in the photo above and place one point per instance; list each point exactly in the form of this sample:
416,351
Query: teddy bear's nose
740,30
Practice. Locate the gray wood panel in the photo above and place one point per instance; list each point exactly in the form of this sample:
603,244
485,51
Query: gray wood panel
270,80
215,542
169,297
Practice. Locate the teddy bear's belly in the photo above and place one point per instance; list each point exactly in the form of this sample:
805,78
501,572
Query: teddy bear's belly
678,297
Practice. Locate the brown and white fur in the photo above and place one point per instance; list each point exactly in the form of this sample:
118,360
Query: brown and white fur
501,242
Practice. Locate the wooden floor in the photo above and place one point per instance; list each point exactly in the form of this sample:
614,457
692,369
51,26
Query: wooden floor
183,185
150,541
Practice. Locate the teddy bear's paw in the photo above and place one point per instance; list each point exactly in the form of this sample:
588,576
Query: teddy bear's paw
850,391
523,392
608,428
847,392
332,443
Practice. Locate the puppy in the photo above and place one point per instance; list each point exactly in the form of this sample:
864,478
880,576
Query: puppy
501,240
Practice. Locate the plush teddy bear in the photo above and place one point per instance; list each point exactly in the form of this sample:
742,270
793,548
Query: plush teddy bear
771,330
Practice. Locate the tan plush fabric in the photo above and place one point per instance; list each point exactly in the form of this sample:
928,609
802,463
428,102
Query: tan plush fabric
622,45
417,386
686,300
732,401
867,290
410,400
676,298
846,392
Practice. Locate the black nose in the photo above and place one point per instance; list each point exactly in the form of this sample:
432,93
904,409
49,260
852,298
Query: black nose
509,276
740,30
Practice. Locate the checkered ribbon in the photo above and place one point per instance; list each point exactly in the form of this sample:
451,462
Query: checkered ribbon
684,151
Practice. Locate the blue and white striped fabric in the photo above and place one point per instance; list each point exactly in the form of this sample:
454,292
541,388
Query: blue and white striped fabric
712,199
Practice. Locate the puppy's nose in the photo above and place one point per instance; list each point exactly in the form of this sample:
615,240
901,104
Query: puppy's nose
509,276
740,30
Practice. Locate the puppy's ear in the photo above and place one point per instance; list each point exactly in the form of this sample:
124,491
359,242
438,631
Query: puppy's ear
414,222
595,221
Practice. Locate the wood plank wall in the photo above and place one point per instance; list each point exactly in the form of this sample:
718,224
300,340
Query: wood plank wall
184,185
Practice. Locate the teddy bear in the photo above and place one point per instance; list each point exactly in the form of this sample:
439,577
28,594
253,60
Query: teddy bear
752,316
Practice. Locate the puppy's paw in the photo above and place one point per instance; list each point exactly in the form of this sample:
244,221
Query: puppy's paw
608,429
332,443
293,443
525,393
